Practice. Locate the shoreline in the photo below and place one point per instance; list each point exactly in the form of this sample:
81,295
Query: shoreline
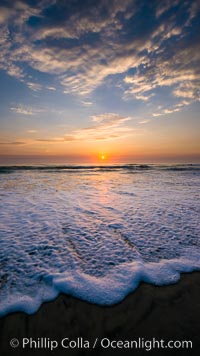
170,312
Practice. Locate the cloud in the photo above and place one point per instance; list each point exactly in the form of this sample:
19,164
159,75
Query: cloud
164,6
17,143
145,97
166,112
28,111
86,103
156,114
144,122
22,110
93,72
34,86
67,138
84,45
90,17
51,88
110,119
48,140
107,126
5,14
32,131
186,82
173,64
176,108
81,69
189,90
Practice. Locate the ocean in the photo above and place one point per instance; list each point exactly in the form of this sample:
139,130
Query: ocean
95,232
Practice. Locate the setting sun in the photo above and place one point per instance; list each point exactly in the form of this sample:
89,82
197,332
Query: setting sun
102,157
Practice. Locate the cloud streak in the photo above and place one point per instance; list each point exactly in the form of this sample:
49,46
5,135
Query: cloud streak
108,126
17,143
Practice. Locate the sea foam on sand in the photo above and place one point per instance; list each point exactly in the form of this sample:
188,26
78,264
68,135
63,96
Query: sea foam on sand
94,232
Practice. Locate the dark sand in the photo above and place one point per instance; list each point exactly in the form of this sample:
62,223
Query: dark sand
168,312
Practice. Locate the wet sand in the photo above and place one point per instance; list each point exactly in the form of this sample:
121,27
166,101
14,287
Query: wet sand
168,313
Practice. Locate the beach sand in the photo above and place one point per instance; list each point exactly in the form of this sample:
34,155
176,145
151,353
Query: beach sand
167,312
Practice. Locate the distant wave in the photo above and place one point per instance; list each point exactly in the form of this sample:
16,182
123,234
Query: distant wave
101,168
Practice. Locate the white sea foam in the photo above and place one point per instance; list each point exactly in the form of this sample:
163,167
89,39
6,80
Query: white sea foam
94,232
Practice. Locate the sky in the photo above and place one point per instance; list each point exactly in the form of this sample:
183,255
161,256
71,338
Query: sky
87,80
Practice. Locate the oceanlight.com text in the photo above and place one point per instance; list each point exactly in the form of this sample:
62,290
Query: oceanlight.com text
104,343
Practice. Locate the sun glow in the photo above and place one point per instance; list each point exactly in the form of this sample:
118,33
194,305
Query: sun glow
102,157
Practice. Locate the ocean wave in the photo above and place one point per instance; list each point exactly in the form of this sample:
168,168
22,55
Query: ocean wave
100,168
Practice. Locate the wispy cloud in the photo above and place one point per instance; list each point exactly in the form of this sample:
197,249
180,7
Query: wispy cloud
48,140
86,103
34,86
51,88
32,131
66,138
17,143
189,91
106,126
176,108
110,119
144,121
28,110
22,110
